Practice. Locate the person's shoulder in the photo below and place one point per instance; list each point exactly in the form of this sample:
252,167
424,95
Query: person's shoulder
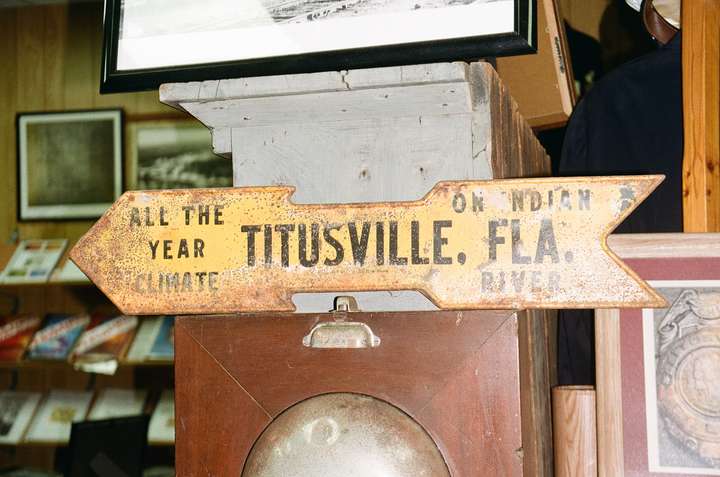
658,66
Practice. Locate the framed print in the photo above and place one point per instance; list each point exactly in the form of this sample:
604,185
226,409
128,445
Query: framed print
149,43
658,376
174,154
69,164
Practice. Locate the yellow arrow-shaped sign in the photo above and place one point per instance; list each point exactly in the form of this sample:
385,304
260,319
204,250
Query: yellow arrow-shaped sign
526,243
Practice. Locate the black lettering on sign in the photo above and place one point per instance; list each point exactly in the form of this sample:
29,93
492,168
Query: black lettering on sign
393,258
199,245
554,282
201,280
517,279
285,230
153,247
546,244
166,249
518,203
535,200
172,281
250,230
415,245
493,239
459,203
218,214
135,217
183,249
516,241
188,209
268,244
565,200
380,243
486,281
334,243
314,245
477,201
212,281
439,241
584,199
162,217
187,282
203,214
359,246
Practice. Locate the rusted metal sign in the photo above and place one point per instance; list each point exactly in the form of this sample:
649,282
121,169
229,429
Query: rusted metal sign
526,243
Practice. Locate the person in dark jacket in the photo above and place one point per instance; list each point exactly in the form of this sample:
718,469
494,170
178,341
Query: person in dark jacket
630,122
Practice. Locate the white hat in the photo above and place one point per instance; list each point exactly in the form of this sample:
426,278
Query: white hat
669,9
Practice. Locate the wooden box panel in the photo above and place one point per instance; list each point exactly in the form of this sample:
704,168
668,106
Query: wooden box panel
455,373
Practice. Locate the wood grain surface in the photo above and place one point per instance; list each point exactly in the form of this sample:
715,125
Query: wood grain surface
701,109
608,379
574,423
456,373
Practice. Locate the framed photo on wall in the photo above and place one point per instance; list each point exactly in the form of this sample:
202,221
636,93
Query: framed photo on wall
69,164
658,370
149,43
173,154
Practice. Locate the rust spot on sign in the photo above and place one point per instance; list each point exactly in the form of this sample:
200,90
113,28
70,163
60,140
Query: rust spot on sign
525,243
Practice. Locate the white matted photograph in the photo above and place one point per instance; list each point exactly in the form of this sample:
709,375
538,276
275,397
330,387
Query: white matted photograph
69,164
227,38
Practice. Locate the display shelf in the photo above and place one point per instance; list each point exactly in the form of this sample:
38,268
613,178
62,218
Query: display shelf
69,366
45,444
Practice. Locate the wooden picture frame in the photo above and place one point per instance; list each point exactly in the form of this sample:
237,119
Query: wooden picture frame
150,43
466,377
69,163
651,410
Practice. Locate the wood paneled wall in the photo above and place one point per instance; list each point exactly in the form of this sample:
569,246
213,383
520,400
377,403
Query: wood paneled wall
51,62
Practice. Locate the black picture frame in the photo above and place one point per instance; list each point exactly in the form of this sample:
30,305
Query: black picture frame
522,40
71,210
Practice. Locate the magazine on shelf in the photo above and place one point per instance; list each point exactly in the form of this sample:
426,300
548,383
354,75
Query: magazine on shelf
15,335
58,335
103,343
153,340
53,421
16,410
113,402
162,423
33,261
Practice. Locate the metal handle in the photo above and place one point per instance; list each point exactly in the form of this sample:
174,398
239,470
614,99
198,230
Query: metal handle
341,334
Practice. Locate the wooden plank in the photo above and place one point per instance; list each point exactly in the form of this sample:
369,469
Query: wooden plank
608,379
701,109
496,244
536,361
515,151
574,426
664,245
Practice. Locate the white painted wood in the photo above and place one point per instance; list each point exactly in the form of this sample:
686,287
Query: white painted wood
176,94
359,161
383,134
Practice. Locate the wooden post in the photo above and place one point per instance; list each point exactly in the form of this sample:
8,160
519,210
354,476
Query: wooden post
701,106
574,431
609,393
